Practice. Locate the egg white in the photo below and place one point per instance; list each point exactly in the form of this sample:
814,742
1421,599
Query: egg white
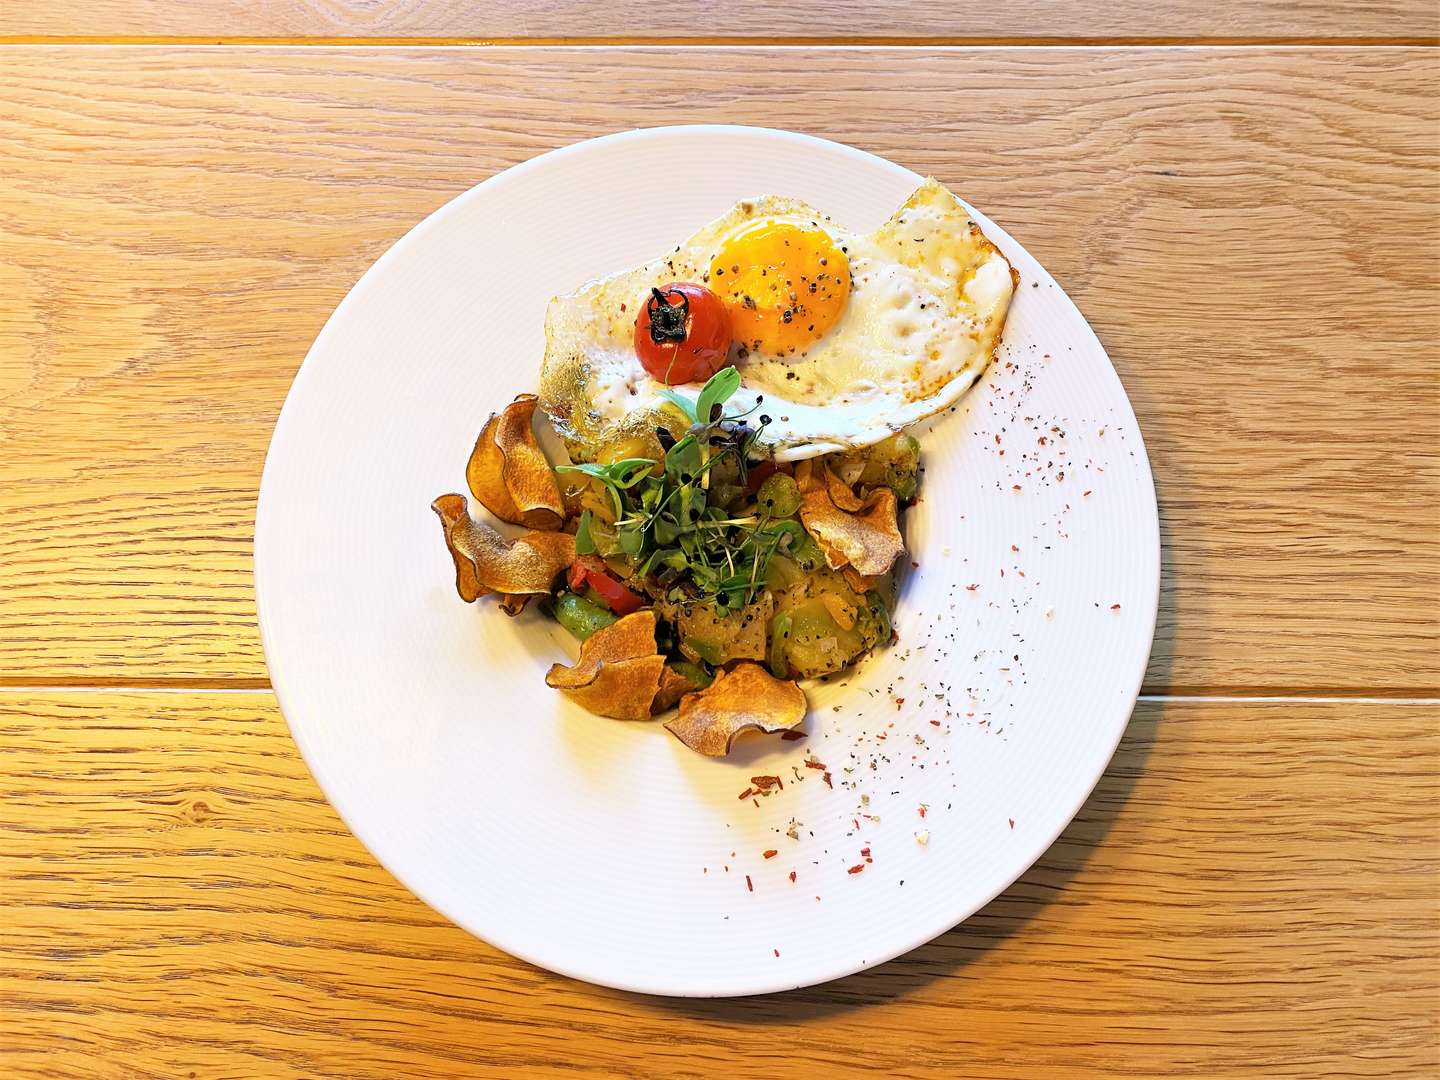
928,299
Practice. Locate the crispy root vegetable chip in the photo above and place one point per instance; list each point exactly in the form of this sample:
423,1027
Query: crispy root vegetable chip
486,562
509,473
842,495
673,686
868,540
746,698
515,603
815,475
619,670
858,581
621,690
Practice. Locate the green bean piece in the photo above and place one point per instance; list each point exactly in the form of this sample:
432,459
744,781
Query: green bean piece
697,675
807,555
579,616
709,651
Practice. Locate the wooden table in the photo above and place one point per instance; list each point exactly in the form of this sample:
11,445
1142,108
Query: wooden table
1243,200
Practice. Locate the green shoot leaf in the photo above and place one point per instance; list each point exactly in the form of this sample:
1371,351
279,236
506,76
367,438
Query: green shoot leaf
631,540
584,542
626,474
589,468
683,459
681,402
665,532
721,386
623,474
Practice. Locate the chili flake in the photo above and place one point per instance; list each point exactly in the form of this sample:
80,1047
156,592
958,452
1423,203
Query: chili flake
857,868
749,884
771,853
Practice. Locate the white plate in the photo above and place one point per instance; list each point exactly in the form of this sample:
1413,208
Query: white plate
598,848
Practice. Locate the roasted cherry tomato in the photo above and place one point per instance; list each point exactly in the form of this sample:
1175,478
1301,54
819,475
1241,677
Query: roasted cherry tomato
587,573
682,334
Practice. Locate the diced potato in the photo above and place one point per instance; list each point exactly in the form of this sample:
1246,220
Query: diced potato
892,463
818,645
782,573
778,660
830,625
841,610
707,634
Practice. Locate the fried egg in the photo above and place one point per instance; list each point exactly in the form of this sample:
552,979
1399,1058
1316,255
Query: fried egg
841,339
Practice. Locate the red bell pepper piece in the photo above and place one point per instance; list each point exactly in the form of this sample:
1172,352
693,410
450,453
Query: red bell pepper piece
590,571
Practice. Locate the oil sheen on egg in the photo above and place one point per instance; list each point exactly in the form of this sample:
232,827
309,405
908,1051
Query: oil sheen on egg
847,337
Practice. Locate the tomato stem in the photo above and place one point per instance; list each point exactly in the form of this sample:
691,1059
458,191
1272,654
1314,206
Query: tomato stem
669,322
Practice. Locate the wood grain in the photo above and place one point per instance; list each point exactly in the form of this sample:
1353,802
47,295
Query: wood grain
1251,232
1251,890
228,20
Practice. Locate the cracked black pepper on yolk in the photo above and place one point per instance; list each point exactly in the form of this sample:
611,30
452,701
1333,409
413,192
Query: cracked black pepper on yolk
785,285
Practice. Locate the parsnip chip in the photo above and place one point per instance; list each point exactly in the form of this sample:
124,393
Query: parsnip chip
858,581
746,698
673,686
619,670
869,540
486,562
629,638
515,603
621,690
815,475
508,472
842,495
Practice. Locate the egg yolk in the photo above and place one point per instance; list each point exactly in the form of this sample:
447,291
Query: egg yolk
784,285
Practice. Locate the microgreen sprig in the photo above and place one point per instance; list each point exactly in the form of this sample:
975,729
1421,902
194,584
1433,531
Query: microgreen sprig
667,525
